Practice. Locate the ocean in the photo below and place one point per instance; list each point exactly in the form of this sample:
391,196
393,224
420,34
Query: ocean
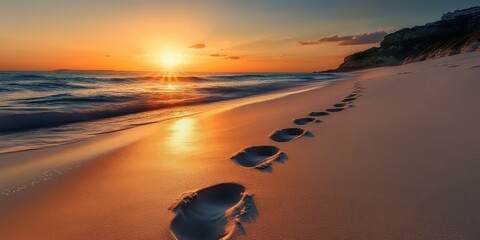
39,109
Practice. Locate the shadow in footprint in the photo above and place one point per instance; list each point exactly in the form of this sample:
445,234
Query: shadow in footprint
288,134
478,66
338,109
346,100
318,114
340,105
215,212
259,157
305,121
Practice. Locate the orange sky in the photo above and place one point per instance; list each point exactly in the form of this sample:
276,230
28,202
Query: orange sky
132,35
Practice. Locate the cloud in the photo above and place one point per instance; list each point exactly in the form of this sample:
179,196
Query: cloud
358,39
224,56
198,46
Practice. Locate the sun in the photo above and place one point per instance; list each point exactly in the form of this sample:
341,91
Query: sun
170,60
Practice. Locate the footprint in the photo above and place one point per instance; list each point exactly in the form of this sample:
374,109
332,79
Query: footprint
318,114
288,134
305,121
351,99
358,87
215,212
340,105
478,66
337,109
260,157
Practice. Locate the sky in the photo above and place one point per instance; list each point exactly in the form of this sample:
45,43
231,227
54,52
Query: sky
201,36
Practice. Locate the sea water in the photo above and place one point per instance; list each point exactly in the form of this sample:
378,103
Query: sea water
39,109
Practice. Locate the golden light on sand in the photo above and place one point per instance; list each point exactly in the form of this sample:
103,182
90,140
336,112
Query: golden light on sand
183,125
170,60
182,132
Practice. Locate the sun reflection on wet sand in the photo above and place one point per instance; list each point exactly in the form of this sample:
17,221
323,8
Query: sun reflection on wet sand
182,135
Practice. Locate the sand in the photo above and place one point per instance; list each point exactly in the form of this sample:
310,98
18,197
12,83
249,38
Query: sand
399,161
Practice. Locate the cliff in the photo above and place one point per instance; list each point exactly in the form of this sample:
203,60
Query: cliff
433,40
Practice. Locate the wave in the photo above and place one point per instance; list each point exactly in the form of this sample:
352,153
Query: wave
45,86
247,90
67,98
276,77
28,121
17,121
36,100
159,78
94,78
22,76
115,106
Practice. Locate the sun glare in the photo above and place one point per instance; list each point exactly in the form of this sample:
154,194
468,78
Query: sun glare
170,60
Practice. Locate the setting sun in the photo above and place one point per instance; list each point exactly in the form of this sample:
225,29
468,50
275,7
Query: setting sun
170,60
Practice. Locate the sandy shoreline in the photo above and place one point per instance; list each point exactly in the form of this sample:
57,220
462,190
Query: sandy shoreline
401,164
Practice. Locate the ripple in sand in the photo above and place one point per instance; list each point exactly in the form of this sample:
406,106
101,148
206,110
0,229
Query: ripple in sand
215,212
305,121
318,114
288,134
260,157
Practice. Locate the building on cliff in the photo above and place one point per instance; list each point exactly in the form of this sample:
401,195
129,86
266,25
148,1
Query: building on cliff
453,15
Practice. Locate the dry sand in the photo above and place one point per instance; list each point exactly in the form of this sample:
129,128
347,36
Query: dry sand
401,161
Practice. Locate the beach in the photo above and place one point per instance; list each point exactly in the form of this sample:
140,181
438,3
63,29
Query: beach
399,161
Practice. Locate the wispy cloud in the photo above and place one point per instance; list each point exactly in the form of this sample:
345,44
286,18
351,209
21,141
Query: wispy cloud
198,46
224,56
358,39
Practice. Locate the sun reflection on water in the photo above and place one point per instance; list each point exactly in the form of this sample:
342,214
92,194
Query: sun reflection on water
171,87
